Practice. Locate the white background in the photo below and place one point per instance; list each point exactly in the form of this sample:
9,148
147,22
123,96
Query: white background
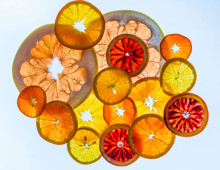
21,148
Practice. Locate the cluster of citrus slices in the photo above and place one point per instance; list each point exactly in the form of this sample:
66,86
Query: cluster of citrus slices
132,107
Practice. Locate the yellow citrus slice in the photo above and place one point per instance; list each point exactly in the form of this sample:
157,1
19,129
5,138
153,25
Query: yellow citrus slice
149,137
177,76
149,97
79,25
112,85
84,146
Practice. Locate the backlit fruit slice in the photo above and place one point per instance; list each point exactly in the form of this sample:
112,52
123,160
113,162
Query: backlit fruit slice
79,25
36,64
177,76
128,52
31,101
57,124
175,46
90,114
112,85
121,113
115,147
186,114
84,146
149,136
149,97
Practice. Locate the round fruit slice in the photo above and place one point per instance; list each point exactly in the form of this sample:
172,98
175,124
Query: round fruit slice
79,25
186,114
128,52
149,136
64,74
84,146
112,85
57,124
121,113
175,46
177,76
90,114
149,97
115,147
31,101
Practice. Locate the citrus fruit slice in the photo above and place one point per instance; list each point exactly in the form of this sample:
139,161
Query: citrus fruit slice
121,113
175,46
149,97
112,85
115,147
177,76
90,114
149,137
57,124
84,146
79,25
128,52
64,74
186,114
31,101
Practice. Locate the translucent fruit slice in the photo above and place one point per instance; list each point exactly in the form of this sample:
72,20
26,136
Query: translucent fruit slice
57,124
79,25
121,113
128,52
175,46
84,146
31,101
115,147
186,114
149,97
177,76
149,137
112,85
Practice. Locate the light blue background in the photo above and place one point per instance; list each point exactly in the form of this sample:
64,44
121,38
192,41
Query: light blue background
22,148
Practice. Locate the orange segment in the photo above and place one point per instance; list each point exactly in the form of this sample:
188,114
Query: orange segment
149,136
57,124
175,46
79,25
31,101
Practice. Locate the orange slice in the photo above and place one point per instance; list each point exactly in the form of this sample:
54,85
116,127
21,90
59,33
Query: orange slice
79,25
175,46
57,124
112,85
31,101
149,136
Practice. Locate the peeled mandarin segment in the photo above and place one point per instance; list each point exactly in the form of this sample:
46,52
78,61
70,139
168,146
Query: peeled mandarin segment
177,76
57,124
79,25
31,101
84,146
175,46
149,136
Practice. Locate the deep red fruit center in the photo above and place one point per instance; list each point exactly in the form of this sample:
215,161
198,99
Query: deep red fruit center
116,145
127,54
186,115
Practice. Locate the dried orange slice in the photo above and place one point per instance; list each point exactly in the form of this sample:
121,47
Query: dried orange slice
112,85
149,97
177,76
186,114
84,146
175,46
31,101
121,113
149,137
57,124
115,147
79,25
